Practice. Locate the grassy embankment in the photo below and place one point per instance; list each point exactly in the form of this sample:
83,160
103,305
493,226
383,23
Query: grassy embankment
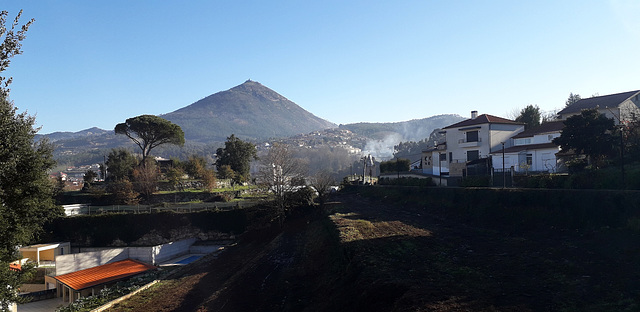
416,249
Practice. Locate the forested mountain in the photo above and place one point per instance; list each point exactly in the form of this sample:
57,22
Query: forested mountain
250,111
57,136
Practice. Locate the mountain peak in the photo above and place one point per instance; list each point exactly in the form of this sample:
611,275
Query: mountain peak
250,111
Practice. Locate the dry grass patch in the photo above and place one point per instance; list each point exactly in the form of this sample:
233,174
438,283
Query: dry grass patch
352,229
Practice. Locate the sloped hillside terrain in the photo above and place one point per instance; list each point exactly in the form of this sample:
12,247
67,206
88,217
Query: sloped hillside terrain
250,111
374,255
412,130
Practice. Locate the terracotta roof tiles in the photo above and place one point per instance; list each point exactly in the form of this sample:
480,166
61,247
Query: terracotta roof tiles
483,119
103,273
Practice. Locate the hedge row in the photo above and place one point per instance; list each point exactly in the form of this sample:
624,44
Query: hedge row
520,209
104,229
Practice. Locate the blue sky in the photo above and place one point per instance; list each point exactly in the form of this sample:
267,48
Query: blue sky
97,63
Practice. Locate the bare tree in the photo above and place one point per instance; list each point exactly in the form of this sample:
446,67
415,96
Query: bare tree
322,181
278,169
146,178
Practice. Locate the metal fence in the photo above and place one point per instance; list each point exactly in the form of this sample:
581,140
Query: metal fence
40,295
178,207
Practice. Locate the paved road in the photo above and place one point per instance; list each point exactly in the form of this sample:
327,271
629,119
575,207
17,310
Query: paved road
48,305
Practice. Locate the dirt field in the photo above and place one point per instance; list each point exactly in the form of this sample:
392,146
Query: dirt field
376,256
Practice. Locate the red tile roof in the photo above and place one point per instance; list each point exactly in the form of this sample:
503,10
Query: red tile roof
103,273
483,119
15,266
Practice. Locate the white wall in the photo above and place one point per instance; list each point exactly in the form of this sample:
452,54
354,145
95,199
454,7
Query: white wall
154,255
171,250
80,261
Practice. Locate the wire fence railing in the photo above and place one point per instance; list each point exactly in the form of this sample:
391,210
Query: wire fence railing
85,209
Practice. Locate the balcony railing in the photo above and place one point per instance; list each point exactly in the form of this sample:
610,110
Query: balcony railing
465,143
461,141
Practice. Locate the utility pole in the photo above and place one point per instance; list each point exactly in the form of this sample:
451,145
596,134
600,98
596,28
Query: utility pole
622,154
504,176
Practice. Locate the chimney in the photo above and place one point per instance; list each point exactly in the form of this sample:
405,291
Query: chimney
474,114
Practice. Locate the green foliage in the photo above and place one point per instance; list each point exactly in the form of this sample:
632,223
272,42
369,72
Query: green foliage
301,197
194,166
89,176
590,134
123,193
225,172
122,288
149,131
174,175
11,46
26,193
475,181
530,116
237,154
551,181
103,230
521,209
405,181
397,165
120,165
572,99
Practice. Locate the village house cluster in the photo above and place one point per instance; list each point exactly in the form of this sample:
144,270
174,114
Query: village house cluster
483,141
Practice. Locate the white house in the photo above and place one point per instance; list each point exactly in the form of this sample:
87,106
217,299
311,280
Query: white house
531,150
471,140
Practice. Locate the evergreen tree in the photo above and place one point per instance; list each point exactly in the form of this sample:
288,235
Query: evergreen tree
530,116
149,132
26,193
590,134
572,99
238,155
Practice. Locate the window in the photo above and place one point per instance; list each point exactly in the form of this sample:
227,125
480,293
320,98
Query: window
529,159
472,136
473,155
443,157
524,141
450,156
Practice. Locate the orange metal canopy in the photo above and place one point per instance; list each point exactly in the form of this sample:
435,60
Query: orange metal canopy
103,273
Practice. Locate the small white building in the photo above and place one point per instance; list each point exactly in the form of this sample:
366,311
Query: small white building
45,254
531,150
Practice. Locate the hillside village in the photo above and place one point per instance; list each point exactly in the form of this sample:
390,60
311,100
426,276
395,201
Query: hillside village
482,145
186,194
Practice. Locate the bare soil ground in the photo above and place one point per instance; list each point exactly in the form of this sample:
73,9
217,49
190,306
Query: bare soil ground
371,255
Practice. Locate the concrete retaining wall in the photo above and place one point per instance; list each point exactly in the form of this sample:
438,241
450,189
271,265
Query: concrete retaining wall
171,250
205,249
80,261
154,255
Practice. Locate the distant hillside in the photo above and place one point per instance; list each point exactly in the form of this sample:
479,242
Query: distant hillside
57,136
250,111
412,130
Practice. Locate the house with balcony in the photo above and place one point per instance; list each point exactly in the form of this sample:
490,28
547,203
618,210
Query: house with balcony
469,143
621,107
531,150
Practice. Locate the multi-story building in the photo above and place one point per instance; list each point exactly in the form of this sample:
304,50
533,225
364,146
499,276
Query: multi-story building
470,141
